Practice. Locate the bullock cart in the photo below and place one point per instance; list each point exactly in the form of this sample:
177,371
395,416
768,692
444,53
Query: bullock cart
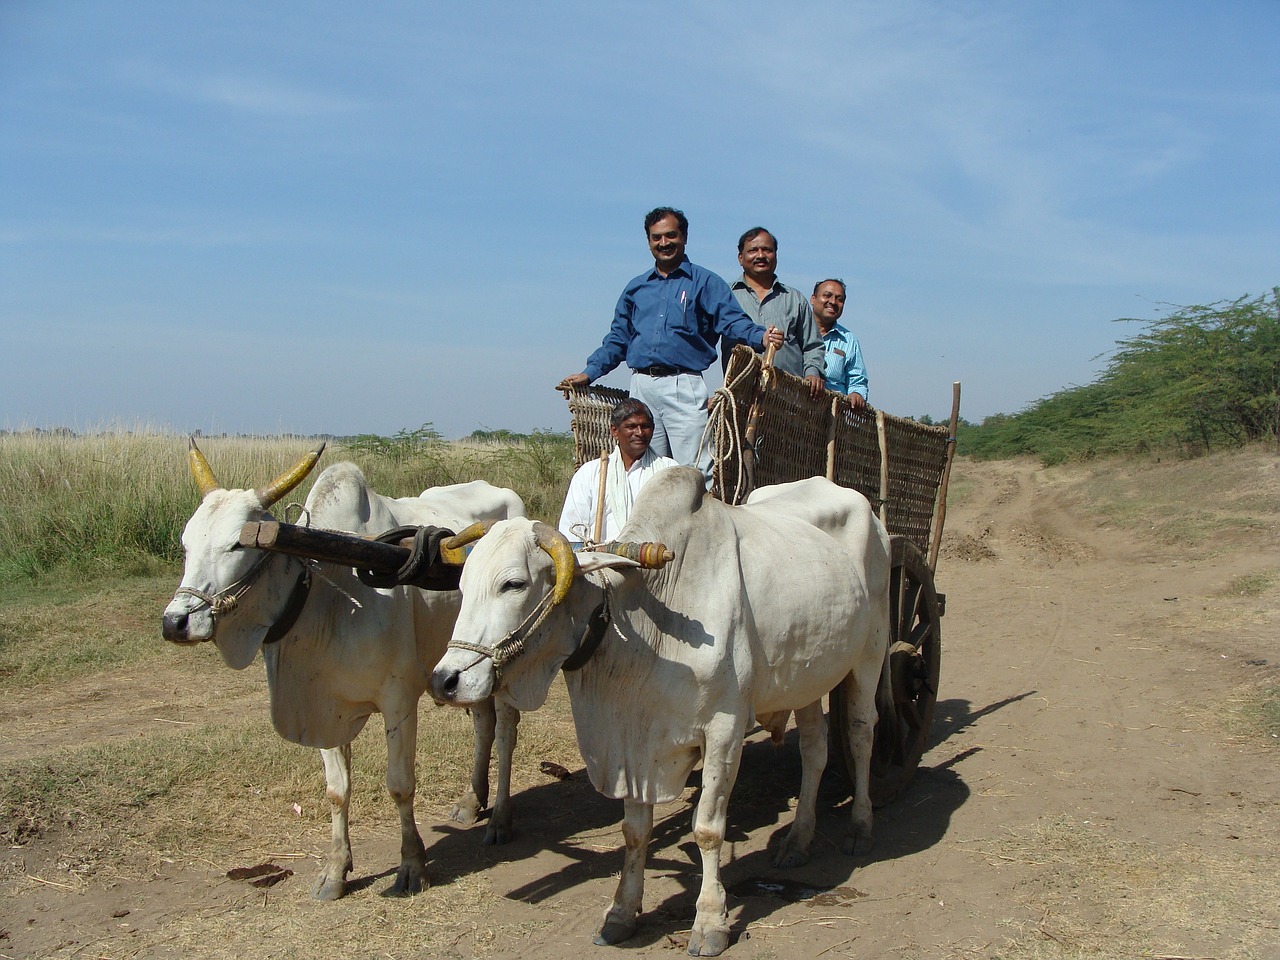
768,430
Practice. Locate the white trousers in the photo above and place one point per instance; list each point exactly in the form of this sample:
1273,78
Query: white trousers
679,406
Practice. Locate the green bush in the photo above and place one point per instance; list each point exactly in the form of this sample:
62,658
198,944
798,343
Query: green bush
1200,378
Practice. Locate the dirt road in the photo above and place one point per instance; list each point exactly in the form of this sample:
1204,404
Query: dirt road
1089,792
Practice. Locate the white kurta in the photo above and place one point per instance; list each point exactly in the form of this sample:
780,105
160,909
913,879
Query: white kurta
578,519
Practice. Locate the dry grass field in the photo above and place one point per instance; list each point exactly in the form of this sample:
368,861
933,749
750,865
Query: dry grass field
1103,780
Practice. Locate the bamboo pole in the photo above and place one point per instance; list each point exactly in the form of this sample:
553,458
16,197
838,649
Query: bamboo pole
940,507
831,438
884,467
753,418
604,475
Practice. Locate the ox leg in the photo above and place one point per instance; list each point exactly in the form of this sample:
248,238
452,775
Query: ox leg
484,722
860,734
813,759
402,739
710,934
620,920
499,829
332,882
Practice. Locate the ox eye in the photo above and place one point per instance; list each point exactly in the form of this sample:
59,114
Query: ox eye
512,585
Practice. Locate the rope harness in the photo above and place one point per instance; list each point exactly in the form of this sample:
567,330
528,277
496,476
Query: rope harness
227,599
726,434
512,645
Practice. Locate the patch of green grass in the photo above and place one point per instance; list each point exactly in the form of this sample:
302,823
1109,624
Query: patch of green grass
1260,711
60,631
1250,584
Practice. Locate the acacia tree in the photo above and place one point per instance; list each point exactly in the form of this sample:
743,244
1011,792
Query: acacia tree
1200,377
1204,375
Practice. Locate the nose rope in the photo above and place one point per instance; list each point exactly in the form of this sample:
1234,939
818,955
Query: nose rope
512,645
224,601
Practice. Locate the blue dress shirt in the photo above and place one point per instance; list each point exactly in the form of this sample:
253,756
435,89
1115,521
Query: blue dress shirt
672,321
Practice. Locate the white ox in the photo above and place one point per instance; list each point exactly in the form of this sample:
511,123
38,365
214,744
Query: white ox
335,649
764,609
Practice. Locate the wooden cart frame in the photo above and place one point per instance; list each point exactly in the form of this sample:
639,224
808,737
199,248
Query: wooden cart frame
766,429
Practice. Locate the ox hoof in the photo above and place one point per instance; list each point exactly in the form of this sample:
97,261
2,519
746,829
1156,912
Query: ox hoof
496,834
466,811
789,858
614,931
410,878
857,841
329,888
712,943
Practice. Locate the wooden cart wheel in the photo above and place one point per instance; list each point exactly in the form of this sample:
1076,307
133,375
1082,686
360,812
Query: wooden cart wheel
915,655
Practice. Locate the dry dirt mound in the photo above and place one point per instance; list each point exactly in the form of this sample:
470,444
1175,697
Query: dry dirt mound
1086,794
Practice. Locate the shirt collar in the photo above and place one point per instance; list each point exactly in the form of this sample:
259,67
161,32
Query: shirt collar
682,268
741,284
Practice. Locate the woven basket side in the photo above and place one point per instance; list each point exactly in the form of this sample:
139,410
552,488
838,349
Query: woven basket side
589,411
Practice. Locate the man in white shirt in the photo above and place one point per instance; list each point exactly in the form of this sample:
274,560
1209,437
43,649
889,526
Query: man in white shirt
628,467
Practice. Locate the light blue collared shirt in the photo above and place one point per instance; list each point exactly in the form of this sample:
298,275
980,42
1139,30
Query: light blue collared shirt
846,372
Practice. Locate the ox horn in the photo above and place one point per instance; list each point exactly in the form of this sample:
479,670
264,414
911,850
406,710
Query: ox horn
561,552
453,550
289,479
201,471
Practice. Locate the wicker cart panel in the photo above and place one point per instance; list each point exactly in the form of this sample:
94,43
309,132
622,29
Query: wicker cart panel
797,437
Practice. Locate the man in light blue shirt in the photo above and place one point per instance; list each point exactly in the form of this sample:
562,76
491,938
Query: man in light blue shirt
666,327
846,373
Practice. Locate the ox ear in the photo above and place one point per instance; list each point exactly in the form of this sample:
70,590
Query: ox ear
282,484
589,560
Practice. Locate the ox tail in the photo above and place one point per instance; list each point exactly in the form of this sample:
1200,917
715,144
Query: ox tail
886,711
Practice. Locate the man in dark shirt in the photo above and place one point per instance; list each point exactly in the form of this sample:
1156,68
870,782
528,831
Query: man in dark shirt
666,327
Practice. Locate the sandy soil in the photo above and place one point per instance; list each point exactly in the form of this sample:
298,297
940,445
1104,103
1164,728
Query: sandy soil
1086,793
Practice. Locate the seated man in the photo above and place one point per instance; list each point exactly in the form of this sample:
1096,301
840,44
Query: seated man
627,468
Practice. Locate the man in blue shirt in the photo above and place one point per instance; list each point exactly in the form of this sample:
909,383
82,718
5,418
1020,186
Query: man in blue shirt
846,372
666,327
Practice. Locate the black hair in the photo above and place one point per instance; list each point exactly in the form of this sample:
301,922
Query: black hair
629,408
658,213
752,234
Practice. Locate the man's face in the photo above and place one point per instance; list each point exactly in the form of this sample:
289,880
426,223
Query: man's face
828,304
666,243
633,435
759,258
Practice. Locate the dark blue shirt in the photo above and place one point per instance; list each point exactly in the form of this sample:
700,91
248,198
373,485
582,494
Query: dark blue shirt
673,321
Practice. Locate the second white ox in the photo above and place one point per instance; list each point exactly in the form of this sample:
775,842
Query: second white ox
337,650
764,608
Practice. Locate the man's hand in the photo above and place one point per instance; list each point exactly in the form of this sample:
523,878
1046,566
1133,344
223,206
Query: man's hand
857,402
573,380
773,337
816,386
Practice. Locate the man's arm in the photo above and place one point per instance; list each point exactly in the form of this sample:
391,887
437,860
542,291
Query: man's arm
856,375
812,350
725,315
578,518
613,349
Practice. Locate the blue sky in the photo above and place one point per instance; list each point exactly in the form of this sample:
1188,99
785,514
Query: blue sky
340,218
